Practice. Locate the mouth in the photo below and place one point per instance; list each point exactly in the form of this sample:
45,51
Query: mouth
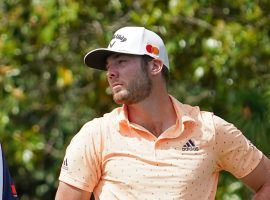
116,86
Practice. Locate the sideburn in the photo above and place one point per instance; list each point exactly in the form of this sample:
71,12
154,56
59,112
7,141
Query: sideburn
144,64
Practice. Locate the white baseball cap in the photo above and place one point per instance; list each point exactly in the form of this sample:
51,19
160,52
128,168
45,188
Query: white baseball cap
129,40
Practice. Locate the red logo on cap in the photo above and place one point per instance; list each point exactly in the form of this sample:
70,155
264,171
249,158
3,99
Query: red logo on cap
152,49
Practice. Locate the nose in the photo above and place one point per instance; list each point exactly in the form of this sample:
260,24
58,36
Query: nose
112,72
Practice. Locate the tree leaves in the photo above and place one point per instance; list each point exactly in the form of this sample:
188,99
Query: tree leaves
219,57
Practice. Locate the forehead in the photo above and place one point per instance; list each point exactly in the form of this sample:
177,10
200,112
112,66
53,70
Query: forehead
116,56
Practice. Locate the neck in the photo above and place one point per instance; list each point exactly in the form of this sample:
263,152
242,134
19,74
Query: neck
156,113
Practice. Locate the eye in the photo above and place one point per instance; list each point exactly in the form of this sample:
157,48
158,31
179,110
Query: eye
121,61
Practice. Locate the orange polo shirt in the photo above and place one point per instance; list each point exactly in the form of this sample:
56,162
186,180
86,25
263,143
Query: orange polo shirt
116,159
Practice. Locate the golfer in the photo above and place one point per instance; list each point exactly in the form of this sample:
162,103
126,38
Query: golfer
152,146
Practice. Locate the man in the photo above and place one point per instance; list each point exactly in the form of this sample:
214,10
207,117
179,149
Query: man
153,147
7,188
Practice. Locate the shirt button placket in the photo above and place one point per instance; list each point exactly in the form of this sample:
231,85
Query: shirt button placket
156,150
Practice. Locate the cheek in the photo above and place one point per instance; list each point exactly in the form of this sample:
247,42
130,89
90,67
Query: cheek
108,81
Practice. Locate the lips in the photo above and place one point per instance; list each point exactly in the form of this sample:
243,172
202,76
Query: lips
116,86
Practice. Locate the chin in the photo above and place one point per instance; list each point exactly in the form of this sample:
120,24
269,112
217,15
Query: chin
120,98
119,102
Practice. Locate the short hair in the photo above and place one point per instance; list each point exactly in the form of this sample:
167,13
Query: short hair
165,71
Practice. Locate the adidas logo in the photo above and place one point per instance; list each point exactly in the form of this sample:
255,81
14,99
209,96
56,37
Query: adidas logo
190,146
65,164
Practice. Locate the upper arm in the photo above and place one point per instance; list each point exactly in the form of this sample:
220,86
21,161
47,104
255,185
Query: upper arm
235,153
259,176
68,192
81,167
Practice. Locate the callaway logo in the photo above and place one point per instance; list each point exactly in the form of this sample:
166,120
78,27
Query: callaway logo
190,146
119,37
111,44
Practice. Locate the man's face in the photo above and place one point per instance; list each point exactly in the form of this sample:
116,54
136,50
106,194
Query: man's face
128,78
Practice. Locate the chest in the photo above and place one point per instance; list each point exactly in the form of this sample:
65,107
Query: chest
137,160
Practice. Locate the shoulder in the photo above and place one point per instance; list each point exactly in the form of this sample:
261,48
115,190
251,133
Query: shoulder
96,125
94,132
221,127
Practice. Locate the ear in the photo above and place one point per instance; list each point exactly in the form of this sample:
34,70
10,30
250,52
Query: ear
156,66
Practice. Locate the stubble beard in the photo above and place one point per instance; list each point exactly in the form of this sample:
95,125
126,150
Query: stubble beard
138,89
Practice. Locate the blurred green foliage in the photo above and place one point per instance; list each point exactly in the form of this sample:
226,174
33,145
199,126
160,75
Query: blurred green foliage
219,53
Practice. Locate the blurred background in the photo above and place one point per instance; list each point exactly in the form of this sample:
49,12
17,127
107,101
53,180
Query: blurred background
219,54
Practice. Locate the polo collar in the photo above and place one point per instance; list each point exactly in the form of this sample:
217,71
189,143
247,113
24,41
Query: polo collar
185,113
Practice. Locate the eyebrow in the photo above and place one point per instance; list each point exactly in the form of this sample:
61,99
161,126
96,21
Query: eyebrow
114,55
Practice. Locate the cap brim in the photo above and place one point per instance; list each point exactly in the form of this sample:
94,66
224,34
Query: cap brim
97,58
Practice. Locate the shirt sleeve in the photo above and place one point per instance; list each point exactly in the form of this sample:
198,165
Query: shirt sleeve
235,153
81,167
